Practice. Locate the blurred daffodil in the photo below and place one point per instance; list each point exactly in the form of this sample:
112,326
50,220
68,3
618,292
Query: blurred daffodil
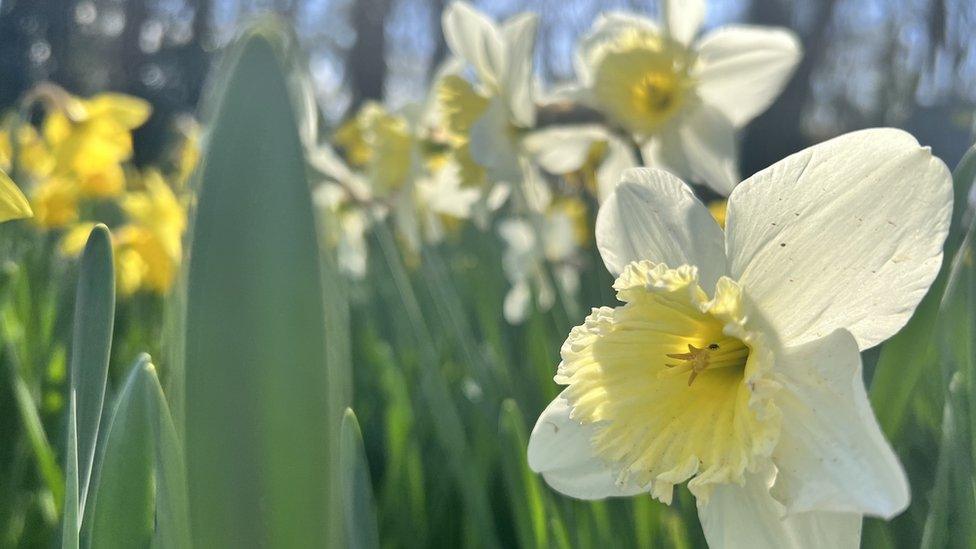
55,202
382,144
13,203
683,99
555,236
589,154
90,138
488,114
150,243
734,362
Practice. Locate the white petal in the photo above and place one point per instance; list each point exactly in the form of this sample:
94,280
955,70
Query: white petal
653,215
620,158
707,138
492,145
559,448
845,234
684,18
831,454
519,34
748,517
563,149
474,38
741,69
516,304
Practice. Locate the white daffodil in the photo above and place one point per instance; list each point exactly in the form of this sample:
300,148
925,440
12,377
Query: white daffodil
683,99
734,363
555,235
588,153
487,114
343,197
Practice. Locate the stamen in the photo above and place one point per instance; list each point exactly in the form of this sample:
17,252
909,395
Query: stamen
697,360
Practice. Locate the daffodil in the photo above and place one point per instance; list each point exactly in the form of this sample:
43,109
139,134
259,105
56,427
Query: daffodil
556,235
589,153
680,98
488,114
90,138
13,203
734,361
150,244
383,144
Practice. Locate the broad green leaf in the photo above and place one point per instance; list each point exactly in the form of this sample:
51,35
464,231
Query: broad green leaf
525,492
906,356
91,346
359,508
259,406
139,499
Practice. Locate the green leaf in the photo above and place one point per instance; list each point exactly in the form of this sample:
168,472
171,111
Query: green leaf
139,499
358,506
261,416
906,356
525,492
71,517
90,349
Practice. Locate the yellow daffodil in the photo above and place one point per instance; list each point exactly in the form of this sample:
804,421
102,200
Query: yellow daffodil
683,100
90,138
13,203
55,203
153,234
734,361
33,156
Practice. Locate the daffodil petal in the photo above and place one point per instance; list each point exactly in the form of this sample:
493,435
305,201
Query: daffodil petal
560,450
741,69
748,517
707,138
653,215
493,143
620,158
832,454
519,34
474,38
845,234
684,18
563,149
13,204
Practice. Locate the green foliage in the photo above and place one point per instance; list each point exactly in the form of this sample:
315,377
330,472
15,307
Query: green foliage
140,496
357,491
91,347
259,417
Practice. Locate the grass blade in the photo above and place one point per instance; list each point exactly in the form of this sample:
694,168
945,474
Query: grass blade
525,492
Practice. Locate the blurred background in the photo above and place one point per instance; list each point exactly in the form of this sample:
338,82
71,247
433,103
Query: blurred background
903,63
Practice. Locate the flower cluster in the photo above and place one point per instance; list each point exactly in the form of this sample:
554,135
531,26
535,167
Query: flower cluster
487,145
74,158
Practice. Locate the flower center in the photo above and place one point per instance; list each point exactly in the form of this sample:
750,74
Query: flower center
674,382
641,81
729,353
